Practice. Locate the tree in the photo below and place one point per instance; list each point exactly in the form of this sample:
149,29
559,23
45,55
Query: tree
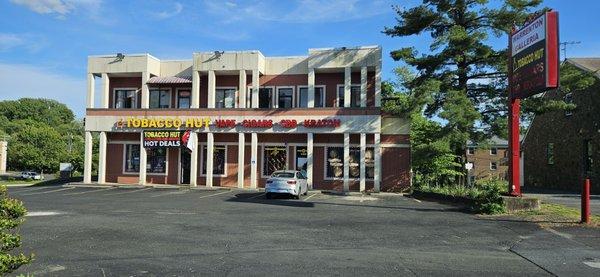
12,212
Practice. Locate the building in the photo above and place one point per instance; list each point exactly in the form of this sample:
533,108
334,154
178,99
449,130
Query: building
490,160
3,153
158,120
561,148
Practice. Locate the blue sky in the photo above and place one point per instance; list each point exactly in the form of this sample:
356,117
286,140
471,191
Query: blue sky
44,43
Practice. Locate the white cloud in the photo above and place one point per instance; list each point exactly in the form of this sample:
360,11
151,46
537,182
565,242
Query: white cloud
59,7
29,42
9,41
20,80
177,8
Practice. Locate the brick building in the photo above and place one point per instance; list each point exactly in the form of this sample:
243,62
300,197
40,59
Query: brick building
490,160
232,118
560,148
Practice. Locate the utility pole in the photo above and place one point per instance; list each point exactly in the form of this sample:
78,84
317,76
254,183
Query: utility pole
563,47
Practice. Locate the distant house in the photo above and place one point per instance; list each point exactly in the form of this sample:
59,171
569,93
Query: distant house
561,148
490,160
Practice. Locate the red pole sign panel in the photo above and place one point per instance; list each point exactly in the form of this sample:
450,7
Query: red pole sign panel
534,56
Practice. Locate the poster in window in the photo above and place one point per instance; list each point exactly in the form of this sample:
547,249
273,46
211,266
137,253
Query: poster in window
275,159
354,161
301,158
218,160
335,162
370,163
157,160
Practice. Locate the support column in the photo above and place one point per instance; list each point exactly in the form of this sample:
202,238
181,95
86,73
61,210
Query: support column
102,159
143,161
242,90
87,158
378,85
211,89
145,90
241,163
255,87
346,162
311,88
91,87
105,91
363,150
194,160
377,169
363,86
347,84
195,90
254,161
210,147
309,159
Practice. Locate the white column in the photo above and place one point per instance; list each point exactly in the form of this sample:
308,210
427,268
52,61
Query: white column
378,85
3,152
194,159
87,158
346,162
102,159
91,87
105,91
255,87
309,159
377,177
241,163
363,86
210,147
143,161
145,91
242,90
311,87
195,90
254,161
363,150
347,84
212,82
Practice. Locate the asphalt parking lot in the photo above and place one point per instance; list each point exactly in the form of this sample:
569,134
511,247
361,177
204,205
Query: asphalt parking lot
170,232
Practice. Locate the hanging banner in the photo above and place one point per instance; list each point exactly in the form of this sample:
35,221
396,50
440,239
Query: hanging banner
533,66
163,138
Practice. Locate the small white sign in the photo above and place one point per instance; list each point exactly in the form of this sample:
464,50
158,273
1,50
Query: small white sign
469,166
529,35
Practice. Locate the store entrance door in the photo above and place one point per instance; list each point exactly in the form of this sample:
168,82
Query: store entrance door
184,159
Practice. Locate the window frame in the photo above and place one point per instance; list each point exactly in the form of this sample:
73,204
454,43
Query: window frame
124,168
495,164
177,90
276,96
337,95
201,146
249,97
160,90
137,97
263,160
123,172
235,97
495,150
325,177
470,150
324,89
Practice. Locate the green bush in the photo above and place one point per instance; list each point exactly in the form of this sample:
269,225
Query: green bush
12,212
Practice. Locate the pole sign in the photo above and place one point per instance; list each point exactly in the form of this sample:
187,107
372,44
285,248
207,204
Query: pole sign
534,56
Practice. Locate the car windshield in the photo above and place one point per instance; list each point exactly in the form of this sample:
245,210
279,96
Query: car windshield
283,174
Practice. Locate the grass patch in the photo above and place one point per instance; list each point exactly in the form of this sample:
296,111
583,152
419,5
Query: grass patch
556,214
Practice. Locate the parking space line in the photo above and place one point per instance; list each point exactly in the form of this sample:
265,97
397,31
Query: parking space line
256,196
89,191
309,197
48,191
170,193
30,189
131,191
214,194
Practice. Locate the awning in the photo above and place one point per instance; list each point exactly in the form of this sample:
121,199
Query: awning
170,80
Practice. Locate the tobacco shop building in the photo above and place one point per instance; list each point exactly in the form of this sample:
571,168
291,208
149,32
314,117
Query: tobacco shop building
232,118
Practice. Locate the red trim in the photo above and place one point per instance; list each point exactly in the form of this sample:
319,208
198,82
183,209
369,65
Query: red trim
235,112
552,58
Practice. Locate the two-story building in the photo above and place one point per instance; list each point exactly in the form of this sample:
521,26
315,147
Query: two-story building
232,118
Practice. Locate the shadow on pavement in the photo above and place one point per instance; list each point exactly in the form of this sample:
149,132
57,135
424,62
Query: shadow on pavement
278,200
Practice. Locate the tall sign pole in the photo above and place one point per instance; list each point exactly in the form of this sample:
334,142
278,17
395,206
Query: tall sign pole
533,68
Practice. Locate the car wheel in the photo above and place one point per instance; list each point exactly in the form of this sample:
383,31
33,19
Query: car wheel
297,196
306,191
268,195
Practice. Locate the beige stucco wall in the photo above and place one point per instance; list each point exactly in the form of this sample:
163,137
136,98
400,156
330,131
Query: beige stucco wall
395,126
344,57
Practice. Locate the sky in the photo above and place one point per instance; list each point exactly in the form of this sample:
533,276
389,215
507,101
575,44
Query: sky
44,44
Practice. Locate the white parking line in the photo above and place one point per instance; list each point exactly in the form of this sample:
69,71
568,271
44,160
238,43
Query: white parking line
89,191
214,194
309,197
48,191
131,191
30,189
170,193
43,213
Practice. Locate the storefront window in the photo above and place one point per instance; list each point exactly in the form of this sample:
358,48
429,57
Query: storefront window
301,158
218,160
132,158
183,99
285,97
275,158
125,99
335,164
370,163
157,160
160,99
225,98
354,96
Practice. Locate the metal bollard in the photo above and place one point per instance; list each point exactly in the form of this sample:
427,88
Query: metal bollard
585,202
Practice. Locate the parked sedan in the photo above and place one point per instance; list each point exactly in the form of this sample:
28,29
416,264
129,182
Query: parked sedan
30,175
290,182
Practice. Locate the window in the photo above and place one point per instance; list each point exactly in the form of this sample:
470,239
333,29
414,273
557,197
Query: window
354,96
125,99
160,98
569,100
285,98
493,151
274,158
335,164
225,98
471,151
132,158
550,153
184,99
588,161
493,165
265,98
303,96
157,160
301,158
219,154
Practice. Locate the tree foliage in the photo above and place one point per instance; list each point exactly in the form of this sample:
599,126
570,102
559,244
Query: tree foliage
12,212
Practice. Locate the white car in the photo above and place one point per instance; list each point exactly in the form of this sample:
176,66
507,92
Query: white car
30,175
291,182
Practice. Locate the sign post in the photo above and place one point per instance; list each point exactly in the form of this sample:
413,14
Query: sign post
533,68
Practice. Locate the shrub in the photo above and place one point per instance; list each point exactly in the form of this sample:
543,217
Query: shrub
12,212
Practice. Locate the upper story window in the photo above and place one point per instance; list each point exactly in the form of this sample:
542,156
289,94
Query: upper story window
493,151
184,99
471,151
160,98
125,99
493,165
303,96
354,96
265,98
285,97
225,98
